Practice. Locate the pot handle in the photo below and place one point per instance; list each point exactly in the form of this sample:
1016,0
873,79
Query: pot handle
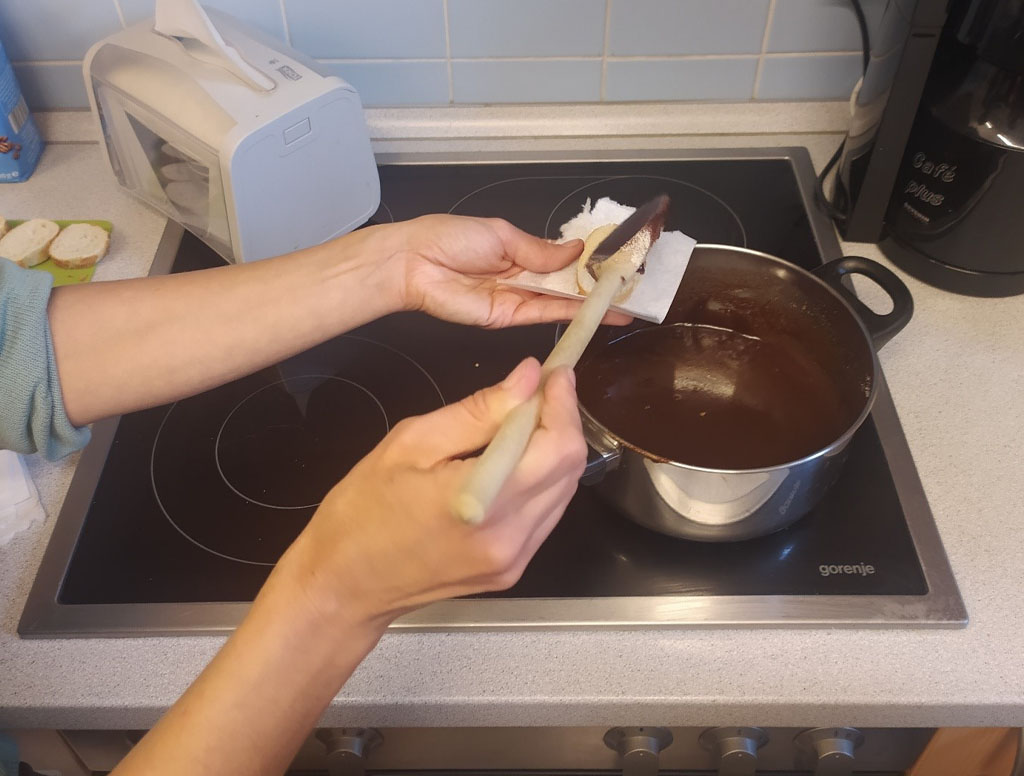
882,328
603,452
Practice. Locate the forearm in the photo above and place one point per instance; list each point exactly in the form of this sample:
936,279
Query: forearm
252,707
125,345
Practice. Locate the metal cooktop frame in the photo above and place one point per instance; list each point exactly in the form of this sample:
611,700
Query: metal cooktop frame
942,606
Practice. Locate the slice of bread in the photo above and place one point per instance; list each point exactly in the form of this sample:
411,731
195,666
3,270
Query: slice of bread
179,171
584,280
3,226
193,196
173,151
27,243
79,246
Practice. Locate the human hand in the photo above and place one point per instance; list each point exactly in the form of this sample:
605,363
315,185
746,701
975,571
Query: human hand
385,541
449,266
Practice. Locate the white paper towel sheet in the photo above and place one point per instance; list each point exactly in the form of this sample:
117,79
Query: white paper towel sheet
653,295
19,500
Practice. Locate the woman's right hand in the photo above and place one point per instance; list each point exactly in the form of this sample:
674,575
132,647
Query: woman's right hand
385,541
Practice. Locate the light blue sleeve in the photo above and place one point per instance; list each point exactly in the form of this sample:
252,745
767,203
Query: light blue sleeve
32,416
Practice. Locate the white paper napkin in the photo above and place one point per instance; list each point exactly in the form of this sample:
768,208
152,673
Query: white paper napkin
653,295
19,500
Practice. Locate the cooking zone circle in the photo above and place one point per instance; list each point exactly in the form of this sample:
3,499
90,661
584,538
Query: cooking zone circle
383,215
292,425
695,211
262,460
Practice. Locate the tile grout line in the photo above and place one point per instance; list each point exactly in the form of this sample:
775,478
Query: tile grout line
674,57
448,52
23,62
791,54
590,58
120,14
604,50
433,60
284,21
610,58
378,60
769,19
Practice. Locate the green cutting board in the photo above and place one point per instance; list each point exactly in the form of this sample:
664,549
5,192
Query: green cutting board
67,277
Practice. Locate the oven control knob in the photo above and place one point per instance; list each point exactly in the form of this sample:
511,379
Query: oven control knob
638,748
833,747
347,749
736,748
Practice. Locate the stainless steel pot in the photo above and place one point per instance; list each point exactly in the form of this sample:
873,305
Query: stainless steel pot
761,295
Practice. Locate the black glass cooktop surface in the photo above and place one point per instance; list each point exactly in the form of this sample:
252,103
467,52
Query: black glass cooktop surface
196,501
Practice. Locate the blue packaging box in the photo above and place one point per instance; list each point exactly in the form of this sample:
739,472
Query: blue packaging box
20,142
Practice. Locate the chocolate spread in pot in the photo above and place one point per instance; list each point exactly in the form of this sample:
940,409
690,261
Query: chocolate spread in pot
712,397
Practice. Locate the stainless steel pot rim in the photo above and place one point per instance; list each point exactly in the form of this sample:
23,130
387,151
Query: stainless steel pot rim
837,444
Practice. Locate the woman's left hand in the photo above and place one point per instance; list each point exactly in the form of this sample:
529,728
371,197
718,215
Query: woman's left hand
450,267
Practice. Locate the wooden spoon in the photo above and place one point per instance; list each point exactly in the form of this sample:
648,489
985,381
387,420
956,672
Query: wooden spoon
616,260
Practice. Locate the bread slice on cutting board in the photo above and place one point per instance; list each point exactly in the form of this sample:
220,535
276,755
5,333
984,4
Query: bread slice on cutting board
584,280
79,246
27,244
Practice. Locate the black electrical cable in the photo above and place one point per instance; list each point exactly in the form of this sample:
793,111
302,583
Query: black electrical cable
865,41
820,195
862,22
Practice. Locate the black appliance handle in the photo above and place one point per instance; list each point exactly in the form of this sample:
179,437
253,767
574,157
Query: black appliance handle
882,328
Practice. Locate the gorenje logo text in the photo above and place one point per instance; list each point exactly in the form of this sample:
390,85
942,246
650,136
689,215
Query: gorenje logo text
857,569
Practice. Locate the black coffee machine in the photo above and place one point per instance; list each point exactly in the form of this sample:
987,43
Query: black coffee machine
933,164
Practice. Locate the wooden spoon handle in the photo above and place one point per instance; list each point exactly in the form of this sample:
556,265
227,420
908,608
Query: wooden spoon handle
504,452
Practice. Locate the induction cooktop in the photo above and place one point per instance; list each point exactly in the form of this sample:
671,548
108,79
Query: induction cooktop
177,514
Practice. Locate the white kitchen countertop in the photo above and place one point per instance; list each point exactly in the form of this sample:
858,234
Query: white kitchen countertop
955,373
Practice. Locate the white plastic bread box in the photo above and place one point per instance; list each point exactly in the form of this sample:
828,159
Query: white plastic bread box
242,140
